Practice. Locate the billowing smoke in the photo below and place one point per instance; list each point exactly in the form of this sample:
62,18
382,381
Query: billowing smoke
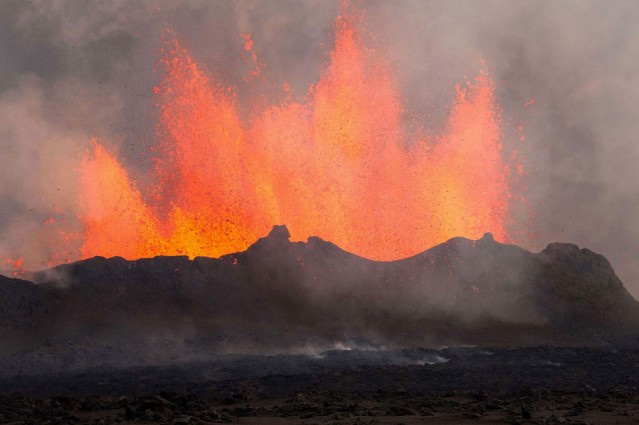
71,71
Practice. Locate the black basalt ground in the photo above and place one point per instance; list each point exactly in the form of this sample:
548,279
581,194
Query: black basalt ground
308,333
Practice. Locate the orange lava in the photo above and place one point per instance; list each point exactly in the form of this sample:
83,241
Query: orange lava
15,267
338,165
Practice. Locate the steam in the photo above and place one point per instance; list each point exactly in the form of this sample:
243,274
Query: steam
72,71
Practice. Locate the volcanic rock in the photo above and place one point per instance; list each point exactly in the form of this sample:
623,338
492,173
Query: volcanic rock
278,295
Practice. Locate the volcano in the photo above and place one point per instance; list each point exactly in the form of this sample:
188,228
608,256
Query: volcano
283,296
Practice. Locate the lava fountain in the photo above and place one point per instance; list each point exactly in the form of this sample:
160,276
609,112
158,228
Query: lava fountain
338,165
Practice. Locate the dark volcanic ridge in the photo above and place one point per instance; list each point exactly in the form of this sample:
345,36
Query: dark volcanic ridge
282,296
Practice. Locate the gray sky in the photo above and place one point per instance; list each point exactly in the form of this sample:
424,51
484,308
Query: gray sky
73,70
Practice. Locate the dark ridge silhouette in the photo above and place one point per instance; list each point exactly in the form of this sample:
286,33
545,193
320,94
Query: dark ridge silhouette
280,296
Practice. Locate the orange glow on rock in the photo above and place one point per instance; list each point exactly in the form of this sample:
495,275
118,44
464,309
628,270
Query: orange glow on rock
337,165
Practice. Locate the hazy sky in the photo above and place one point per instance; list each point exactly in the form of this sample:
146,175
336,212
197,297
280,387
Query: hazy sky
70,71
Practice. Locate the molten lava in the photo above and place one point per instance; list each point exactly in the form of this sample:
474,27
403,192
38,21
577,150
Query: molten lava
15,266
337,165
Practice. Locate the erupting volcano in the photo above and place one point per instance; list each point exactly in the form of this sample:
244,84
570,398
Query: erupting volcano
340,165
256,211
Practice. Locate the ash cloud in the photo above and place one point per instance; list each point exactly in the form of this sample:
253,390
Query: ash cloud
73,70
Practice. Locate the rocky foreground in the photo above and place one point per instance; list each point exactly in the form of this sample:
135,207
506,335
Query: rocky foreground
304,332
543,385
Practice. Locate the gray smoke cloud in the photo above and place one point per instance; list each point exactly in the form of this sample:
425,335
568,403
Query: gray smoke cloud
74,70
